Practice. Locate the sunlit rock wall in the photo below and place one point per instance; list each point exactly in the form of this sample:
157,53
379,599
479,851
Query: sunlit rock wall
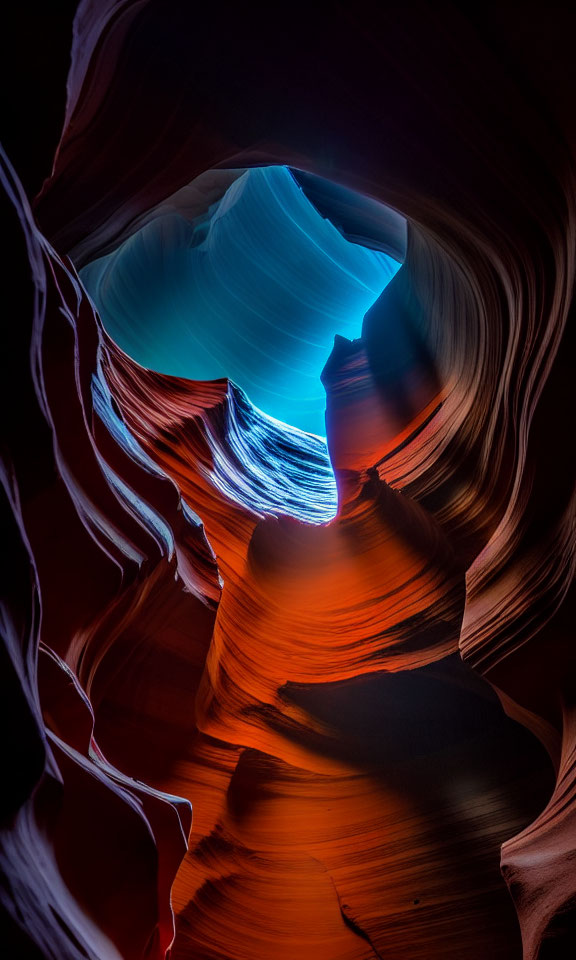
255,290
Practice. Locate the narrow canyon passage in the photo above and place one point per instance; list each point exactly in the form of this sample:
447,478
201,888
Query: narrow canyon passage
287,623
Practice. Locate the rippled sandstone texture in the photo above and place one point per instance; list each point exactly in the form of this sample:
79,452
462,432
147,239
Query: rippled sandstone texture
365,713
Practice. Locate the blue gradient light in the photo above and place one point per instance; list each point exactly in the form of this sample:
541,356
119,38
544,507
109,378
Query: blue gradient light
254,291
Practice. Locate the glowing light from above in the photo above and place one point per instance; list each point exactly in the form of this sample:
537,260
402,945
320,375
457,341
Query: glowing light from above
255,291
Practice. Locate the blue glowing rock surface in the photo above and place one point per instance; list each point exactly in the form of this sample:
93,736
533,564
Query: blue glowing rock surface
255,291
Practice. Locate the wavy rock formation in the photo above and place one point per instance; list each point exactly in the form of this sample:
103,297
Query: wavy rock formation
77,832
354,658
